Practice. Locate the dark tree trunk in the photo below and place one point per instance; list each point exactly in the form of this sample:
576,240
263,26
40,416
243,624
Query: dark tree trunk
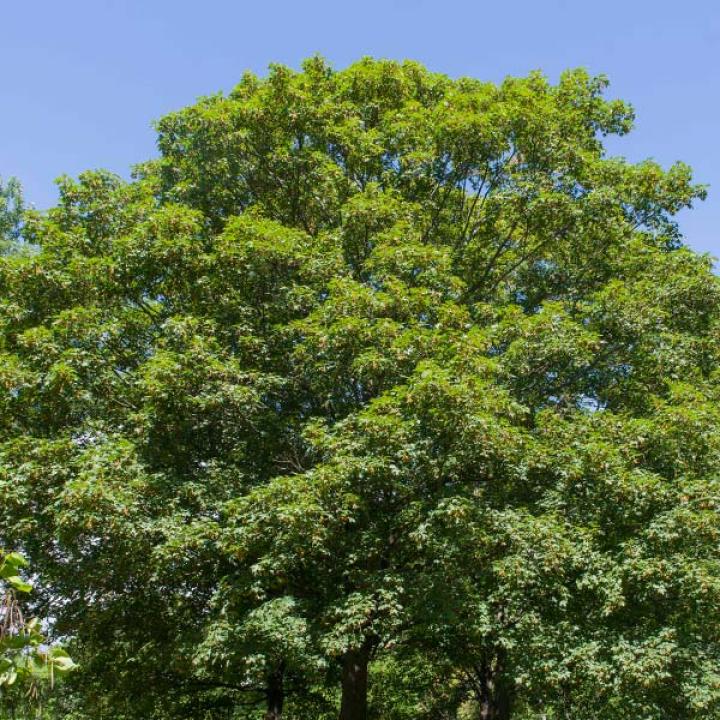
496,706
495,695
353,705
275,695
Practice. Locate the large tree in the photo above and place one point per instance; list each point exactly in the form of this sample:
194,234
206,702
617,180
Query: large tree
373,369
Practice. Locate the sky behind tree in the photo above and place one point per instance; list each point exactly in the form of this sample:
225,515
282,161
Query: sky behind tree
84,79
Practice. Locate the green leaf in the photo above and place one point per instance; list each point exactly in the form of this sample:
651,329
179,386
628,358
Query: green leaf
17,583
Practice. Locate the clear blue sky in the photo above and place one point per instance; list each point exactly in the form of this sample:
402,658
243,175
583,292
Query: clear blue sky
83,79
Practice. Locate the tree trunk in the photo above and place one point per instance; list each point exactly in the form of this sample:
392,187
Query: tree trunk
495,695
275,695
353,705
496,706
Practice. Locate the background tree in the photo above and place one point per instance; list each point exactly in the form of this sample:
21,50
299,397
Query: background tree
372,372
11,213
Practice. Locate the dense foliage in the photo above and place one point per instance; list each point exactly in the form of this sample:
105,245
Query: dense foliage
377,393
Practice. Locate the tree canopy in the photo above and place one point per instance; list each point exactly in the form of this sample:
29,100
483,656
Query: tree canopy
379,394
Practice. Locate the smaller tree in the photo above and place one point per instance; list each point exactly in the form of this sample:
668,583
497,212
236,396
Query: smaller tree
265,650
12,208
